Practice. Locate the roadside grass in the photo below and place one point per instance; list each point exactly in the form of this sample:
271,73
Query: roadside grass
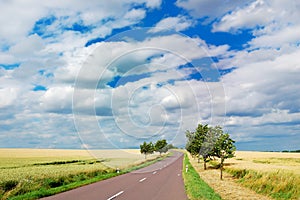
255,175
278,185
195,187
38,188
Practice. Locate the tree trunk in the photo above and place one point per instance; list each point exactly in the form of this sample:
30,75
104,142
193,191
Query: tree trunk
221,168
221,175
204,164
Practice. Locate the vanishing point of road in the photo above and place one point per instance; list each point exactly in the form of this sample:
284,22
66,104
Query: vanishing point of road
159,181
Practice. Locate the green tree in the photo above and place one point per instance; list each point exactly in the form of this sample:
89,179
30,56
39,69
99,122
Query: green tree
191,143
208,145
197,143
147,148
151,148
161,146
208,142
224,148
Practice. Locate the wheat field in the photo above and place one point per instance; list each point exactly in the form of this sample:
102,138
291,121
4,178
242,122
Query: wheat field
36,173
266,161
26,164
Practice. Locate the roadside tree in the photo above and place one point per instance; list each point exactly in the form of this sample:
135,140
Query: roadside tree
224,148
208,145
208,142
161,146
197,143
147,148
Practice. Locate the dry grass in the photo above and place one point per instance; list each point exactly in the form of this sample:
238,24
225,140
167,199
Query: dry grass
228,188
278,185
266,161
196,188
273,174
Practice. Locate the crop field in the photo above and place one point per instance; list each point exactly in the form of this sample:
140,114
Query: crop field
274,174
18,164
266,161
36,168
255,175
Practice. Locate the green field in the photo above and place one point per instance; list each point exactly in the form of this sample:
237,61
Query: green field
42,172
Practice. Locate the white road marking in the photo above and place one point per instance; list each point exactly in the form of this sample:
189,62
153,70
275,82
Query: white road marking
154,172
178,174
114,196
142,180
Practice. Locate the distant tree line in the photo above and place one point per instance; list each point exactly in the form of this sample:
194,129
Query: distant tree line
160,146
209,142
292,151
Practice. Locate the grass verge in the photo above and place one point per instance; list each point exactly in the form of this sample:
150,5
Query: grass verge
38,188
195,187
278,185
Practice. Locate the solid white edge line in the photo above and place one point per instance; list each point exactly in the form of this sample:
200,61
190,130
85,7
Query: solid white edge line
142,179
114,196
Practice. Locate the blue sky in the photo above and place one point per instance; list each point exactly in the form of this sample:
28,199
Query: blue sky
95,74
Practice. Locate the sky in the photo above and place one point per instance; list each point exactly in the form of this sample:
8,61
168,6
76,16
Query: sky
112,74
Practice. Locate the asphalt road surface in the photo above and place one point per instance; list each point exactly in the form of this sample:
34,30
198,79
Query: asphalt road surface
160,181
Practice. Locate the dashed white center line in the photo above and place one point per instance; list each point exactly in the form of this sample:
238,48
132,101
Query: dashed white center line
154,172
142,180
114,196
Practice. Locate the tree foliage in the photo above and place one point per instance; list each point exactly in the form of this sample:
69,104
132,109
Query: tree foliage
198,143
224,149
208,142
147,148
161,146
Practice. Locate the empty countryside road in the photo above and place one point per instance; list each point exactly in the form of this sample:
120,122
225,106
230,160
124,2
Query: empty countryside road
162,180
